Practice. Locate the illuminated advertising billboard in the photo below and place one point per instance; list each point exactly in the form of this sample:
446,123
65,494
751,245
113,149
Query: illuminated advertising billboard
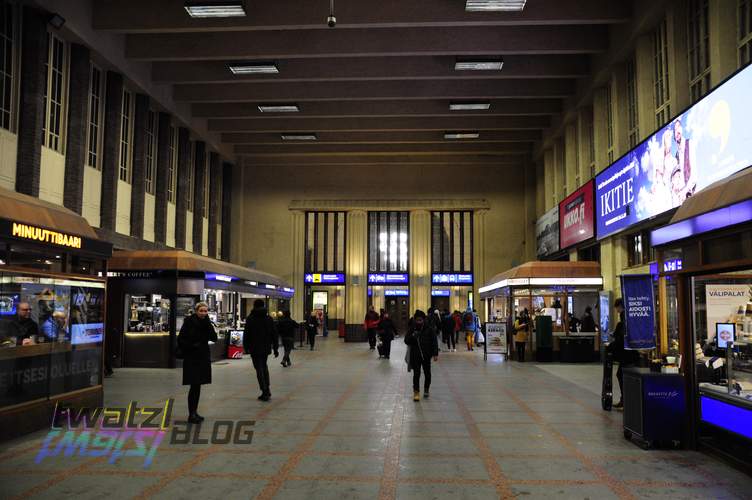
547,233
576,222
708,142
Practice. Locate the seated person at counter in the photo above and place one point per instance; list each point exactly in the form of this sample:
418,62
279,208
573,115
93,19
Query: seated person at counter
54,327
23,328
588,322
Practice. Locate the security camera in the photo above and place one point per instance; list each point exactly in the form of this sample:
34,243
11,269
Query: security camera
331,21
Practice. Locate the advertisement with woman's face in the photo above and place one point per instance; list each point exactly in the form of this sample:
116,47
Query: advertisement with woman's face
706,143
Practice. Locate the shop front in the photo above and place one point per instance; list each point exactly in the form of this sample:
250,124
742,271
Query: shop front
556,295
705,259
390,292
152,292
52,307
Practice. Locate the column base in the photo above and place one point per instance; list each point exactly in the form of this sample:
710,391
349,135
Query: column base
355,333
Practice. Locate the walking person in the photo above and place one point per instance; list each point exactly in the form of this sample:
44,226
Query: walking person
457,317
312,327
521,329
388,331
193,341
259,340
625,357
423,345
447,329
371,324
286,328
468,326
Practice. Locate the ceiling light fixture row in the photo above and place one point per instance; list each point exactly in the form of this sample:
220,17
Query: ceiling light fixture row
469,106
461,135
299,137
494,5
278,108
479,64
253,68
202,9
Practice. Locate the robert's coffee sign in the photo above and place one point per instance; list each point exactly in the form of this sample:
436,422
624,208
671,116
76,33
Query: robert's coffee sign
576,217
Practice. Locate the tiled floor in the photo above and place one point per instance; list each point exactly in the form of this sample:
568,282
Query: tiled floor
342,425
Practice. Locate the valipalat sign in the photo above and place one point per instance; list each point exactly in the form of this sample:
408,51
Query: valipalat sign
726,304
639,310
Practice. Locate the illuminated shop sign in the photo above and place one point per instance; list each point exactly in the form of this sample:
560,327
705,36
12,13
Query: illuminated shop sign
672,265
576,217
378,278
27,232
324,278
440,293
452,279
396,293
707,143
288,290
219,277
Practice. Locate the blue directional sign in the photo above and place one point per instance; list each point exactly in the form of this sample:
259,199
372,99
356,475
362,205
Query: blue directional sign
324,278
452,279
388,279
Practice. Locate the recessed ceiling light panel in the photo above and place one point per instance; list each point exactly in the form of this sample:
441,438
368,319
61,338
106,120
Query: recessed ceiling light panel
299,137
469,106
222,8
479,65
461,135
253,68
278,108
494,5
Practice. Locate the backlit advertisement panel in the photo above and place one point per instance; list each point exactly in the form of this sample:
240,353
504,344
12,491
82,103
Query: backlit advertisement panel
706,143
576,217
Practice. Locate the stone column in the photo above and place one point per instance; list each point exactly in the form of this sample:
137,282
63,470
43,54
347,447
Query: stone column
420,259
357,284
480,274
31,101
297,227
138,187
111,149
75,147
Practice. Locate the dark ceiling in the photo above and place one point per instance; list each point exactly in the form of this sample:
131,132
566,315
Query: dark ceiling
376,88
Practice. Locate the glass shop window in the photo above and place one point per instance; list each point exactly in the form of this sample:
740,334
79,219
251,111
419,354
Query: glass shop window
148,313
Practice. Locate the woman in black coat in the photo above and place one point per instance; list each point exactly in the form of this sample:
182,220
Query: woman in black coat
388,331
423,346
193,340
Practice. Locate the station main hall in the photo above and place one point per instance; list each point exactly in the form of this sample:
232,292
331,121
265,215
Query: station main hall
393,250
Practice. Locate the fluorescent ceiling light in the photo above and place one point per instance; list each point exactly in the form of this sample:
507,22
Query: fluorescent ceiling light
479,65
278,108
459,106
253,68
224,8
299,137
494,5
461,135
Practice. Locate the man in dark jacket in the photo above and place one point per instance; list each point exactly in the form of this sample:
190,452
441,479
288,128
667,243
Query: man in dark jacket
447,331
387,333
287,327
259,340
424,345
23,327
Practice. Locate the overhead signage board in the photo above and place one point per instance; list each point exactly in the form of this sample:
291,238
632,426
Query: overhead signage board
547,233
388,278
452,279
396,293
708,142
324,278
59,239
576,217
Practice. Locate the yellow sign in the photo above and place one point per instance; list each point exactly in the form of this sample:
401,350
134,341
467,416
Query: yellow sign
45,236
317,278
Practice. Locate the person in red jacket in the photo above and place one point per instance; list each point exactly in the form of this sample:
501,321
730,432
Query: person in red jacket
371,324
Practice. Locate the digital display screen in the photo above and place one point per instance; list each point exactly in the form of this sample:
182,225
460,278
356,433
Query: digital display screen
87,333
708,142
8,305
725,333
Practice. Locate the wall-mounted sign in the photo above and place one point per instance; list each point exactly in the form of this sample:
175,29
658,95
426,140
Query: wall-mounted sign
324,278
672,265
441,293
576,213
452,279
388,278
219,277
706,143
396,293
639,311
42,235
547,233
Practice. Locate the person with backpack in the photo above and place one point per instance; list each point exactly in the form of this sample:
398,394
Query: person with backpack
469,327
371,324
287,327
457,317
423,345
259,340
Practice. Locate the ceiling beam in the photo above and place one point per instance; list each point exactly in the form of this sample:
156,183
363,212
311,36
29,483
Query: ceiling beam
437,159
378,124
365,138
357,91
376,68
229,45
449,148
366,108
142,16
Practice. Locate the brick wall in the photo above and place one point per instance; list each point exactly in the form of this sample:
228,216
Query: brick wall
198,196
111,149
163,159
78,107
138,186
184,166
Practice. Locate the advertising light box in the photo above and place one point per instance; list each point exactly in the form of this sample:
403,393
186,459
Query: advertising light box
706,143
324,278
576,222
547,233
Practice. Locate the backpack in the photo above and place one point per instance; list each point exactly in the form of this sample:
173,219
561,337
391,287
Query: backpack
467,318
